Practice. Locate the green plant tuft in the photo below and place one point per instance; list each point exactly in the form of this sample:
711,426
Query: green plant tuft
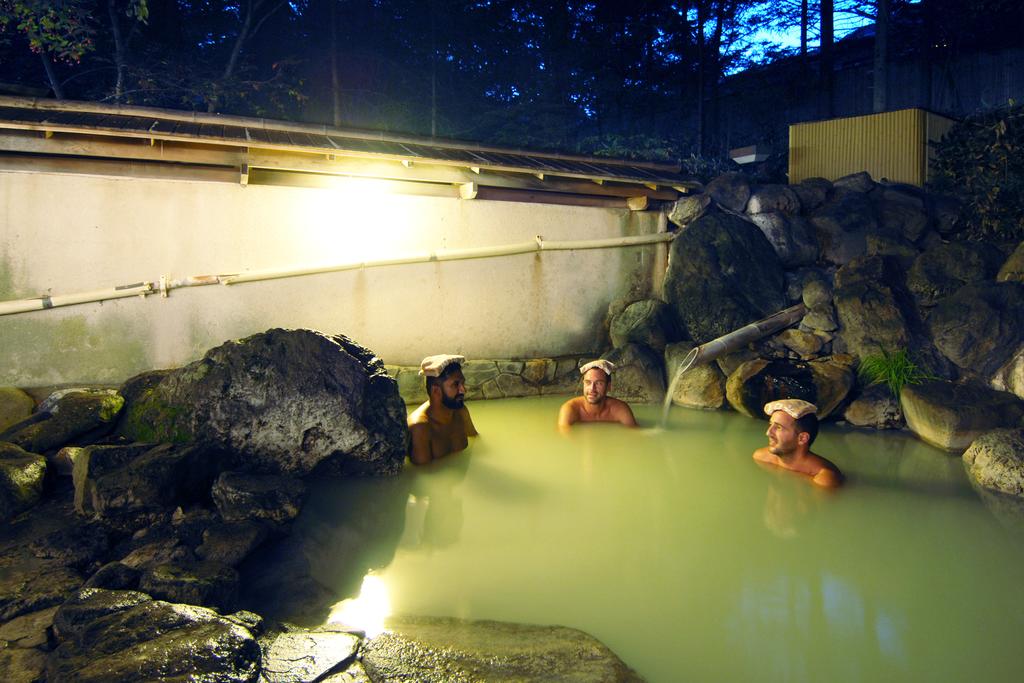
895,370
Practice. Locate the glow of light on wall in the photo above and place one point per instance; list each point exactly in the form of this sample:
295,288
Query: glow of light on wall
366,612
354,220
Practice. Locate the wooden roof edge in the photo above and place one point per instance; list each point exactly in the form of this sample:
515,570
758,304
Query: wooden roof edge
48,104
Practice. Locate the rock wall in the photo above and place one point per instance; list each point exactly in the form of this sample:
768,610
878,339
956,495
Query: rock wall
506,378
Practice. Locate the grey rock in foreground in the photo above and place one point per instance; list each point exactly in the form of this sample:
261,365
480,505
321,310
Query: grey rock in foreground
996,461
951,416
444,650
300,656
126,636
287,401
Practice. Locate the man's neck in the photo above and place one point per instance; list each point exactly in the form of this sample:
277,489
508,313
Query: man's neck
439,412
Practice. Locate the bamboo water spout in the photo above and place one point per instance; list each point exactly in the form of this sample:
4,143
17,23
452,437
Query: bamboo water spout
709,351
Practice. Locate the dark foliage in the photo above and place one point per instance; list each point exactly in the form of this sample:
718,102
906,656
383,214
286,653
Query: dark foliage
982,161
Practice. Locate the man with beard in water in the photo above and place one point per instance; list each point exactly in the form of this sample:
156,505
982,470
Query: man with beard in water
595,405
442,424
792,427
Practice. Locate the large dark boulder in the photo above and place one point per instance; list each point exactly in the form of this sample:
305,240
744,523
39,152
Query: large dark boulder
995,460
868,303
439,650
942,270
126,636
21,480
980,326
722,274
285,401
650,321
842,225
79,416
951,416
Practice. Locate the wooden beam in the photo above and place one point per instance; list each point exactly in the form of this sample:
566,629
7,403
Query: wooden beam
231,158
243,175
508,195
128,149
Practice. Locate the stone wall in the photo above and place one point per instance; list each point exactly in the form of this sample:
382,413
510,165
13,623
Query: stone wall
487,379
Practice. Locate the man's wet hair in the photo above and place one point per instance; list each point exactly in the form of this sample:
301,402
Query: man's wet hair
449,369
808,423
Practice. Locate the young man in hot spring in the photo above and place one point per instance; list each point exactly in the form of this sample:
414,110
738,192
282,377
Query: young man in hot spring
441,425
792,428
595,405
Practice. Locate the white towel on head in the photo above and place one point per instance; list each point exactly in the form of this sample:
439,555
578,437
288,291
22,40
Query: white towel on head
601,363
794,407
433,366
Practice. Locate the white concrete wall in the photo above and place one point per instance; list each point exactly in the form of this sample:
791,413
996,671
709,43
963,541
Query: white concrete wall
66,233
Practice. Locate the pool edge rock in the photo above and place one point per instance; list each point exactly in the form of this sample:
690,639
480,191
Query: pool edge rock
441,649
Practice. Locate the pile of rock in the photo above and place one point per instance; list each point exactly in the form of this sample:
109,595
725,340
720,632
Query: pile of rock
878,269
128,571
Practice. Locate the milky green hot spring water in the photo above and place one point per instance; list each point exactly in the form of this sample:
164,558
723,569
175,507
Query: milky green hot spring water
676,550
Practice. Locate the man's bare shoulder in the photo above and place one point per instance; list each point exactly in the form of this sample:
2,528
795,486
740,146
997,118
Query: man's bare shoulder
764,455
827,473
419,416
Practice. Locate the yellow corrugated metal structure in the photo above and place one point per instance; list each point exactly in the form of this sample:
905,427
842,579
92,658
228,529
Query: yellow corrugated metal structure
891,145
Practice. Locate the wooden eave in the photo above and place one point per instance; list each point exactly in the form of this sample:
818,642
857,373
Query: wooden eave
77,129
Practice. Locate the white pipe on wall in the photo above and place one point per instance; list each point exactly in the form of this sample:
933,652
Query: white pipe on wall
42,303
167,284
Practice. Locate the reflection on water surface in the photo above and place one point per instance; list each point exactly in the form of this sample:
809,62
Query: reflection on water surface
676,550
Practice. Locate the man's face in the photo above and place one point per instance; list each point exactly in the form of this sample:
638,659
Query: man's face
595,385
453,391
783,437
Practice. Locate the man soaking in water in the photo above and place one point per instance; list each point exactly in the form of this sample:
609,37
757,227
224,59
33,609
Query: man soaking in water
442,424
595,405
792,427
